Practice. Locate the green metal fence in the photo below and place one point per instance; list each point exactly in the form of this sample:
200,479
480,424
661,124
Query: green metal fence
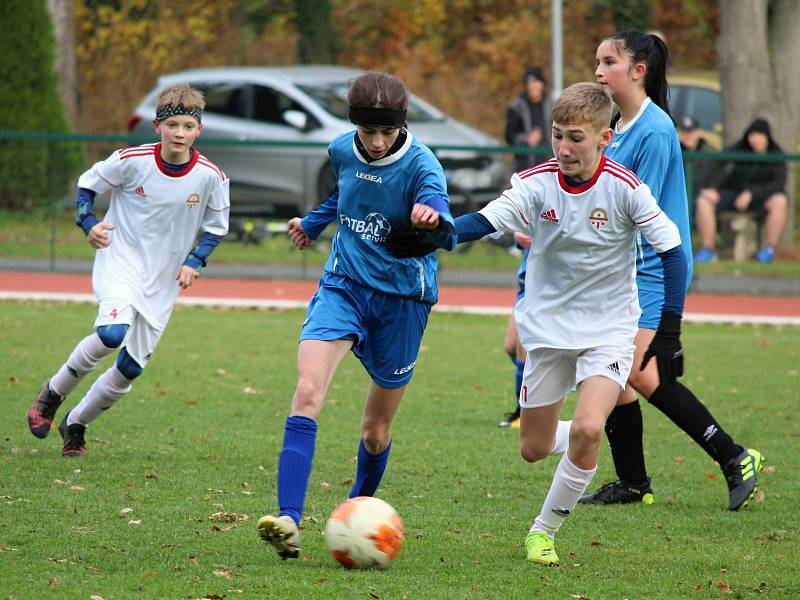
94,147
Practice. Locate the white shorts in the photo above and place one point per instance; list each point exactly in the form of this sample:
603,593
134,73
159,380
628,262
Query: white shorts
550,373
141,338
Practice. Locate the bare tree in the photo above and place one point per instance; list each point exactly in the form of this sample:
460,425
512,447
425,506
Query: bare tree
62,14
759,67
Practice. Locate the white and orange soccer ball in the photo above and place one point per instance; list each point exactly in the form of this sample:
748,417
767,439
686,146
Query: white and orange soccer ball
364,532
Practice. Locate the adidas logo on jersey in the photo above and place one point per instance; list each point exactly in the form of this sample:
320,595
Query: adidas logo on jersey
549,215
613,367
140,191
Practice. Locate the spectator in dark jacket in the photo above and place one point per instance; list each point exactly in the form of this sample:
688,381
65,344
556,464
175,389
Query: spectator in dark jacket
757,187
691,138
528,119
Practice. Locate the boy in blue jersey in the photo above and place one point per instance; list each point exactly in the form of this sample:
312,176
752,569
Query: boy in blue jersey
632,66
370,301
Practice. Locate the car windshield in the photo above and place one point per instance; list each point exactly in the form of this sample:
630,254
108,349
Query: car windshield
332,98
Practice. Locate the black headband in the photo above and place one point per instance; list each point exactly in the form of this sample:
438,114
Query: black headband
168,110
380,117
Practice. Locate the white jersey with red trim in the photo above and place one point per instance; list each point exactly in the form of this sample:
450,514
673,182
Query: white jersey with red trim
157,214
580,285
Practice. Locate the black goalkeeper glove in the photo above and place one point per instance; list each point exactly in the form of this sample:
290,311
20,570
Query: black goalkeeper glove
667,349
409,243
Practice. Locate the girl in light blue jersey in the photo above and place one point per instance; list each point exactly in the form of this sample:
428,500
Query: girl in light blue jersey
633,66
376,292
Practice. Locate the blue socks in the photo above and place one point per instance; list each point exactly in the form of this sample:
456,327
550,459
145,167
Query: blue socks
294,465
369,471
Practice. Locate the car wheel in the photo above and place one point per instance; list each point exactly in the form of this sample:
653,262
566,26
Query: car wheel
325,184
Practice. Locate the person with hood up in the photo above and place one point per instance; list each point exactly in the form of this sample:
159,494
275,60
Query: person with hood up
746,186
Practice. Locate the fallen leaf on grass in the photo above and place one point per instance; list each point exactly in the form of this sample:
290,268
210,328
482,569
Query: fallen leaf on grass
135,522
596,543
53,581
125,511
769,469
318,581
724,587
678,460
228,517
250,391
710,475
95,597
221,573
60,561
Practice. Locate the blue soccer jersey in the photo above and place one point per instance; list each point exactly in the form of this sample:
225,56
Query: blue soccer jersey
374,198
649,147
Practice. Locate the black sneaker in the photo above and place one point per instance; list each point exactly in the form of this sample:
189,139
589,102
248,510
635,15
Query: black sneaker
43,411
511,419
73,435
741,473
619,492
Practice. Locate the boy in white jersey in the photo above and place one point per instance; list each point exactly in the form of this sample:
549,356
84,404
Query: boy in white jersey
578,317
162,196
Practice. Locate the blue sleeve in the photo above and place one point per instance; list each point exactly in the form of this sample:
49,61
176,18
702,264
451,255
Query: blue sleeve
84,217
318,219
473,227
199,256
674,263
444,236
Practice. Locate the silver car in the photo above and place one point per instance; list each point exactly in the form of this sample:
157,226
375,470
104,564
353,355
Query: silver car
246,105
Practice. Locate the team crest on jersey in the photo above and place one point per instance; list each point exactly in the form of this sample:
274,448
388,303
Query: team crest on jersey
192,201
598,218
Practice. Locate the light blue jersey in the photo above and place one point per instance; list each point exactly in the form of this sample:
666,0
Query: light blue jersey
649,147
373,198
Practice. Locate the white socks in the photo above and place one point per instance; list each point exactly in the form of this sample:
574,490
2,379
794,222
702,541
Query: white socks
109,387
561,442
84,358
569,484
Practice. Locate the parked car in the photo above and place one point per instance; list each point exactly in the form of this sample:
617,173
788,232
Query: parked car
700,99
307,104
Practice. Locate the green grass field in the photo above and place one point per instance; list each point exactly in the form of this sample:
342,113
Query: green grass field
201,431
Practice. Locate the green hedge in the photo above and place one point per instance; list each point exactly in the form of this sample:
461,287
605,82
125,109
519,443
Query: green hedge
31,173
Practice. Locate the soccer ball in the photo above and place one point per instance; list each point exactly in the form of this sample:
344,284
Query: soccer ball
364,532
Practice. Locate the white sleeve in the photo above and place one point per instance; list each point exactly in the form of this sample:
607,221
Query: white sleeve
218,209
655,225
103,175
511,211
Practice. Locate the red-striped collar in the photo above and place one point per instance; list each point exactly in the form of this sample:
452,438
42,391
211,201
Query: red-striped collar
579,189
180,173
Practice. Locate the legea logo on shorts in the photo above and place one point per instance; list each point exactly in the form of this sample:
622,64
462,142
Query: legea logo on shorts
374,227
405,369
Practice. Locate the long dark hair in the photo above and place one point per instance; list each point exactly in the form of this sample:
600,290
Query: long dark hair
652,51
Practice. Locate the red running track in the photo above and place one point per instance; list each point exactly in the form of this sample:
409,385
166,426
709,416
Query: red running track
449,296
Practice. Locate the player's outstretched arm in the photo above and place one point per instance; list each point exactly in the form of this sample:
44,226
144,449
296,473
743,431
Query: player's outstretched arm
298,234
98,238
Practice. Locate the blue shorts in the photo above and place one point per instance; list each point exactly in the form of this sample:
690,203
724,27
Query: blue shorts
651,303
386,330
